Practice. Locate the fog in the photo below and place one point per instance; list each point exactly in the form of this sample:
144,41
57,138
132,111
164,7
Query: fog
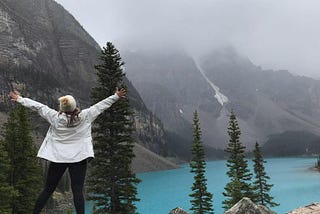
274,34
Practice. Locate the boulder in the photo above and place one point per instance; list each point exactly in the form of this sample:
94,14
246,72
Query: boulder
178,210
246,206
312,208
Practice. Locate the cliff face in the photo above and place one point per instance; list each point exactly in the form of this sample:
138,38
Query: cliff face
40,36
150,132
46,53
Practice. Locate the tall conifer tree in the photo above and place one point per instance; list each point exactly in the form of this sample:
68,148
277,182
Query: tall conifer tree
201,199
112,183
7,192
238,172
260,185
25,174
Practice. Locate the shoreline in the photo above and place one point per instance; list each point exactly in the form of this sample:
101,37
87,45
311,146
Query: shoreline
180,164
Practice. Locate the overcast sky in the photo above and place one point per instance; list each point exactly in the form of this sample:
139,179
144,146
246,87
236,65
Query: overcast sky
275,34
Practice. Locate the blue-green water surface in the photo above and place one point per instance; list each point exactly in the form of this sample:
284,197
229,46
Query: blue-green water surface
296,184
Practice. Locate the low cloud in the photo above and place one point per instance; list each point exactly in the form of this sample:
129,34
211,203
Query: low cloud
273,34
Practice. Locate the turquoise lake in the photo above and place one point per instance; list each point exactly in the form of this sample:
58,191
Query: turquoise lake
295,185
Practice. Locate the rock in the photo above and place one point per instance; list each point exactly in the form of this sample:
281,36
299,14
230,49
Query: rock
246,206
178,210
312,208
62,202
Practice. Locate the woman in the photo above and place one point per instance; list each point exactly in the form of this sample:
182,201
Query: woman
68,143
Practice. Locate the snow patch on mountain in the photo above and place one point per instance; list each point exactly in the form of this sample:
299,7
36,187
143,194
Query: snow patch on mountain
222,99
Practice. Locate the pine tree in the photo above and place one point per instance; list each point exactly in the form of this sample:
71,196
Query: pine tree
238,172
25,174
317,164
112,183
260,185
201,199
7,192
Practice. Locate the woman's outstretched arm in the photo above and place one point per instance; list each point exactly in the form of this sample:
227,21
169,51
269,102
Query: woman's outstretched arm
101,106
43,110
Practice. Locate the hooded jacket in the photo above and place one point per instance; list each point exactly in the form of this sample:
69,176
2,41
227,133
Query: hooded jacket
64,144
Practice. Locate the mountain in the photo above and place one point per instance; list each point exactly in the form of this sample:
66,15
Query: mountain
46,53
173,84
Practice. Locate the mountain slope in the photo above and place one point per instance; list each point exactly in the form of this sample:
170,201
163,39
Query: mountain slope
269,101
174,84
46,53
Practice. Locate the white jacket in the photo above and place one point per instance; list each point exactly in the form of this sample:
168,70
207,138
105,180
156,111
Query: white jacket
64,144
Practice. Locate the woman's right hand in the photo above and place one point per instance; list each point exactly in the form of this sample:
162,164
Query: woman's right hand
14,95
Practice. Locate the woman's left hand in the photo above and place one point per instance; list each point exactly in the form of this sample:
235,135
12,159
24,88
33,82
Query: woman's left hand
121,93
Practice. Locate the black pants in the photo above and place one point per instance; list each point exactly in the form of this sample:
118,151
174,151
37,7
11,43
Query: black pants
77,173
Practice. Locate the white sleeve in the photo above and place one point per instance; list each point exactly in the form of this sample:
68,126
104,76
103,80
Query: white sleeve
98,108
43,110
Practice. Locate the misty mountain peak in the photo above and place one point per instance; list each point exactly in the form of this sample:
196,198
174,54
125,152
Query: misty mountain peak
265,101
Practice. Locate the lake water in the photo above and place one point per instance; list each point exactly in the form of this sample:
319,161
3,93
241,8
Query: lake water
295,185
